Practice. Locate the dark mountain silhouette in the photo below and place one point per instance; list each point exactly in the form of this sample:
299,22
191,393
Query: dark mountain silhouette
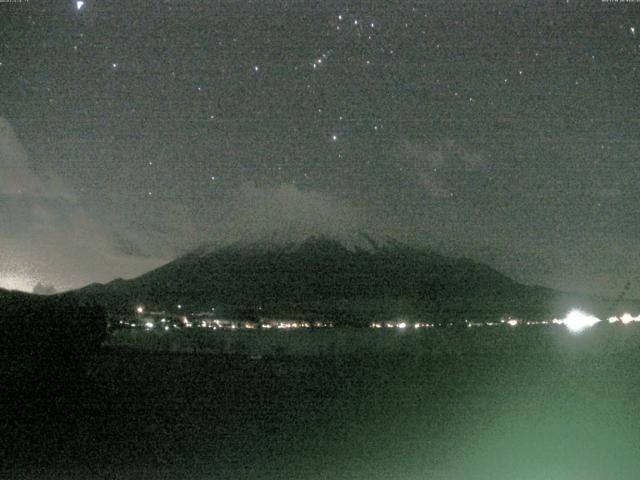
352,280
48,345
51,326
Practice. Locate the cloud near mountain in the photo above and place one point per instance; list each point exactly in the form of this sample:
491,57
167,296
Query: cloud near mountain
287,210
19,178
67,245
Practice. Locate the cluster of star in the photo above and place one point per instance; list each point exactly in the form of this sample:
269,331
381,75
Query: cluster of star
343,70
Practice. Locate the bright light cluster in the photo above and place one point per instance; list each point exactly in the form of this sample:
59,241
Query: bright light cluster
625,319
577,321
401,325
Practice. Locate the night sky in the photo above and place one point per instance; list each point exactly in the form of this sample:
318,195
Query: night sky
134,131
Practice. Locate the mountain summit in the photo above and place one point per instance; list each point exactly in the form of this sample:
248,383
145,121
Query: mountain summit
284,240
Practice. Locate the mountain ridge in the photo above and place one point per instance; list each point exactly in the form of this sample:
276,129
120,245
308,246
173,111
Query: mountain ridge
354,241
324,276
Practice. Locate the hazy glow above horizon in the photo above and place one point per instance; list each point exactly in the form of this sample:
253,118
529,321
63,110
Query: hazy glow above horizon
17,282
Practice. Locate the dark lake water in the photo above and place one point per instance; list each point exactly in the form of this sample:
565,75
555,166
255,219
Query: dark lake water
506,403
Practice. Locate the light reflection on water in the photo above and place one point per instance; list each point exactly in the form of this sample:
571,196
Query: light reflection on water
473,403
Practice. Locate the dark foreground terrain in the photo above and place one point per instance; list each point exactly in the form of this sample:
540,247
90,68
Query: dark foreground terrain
523,403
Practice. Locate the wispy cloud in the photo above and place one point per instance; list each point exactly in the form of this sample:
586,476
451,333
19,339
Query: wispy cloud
288,210
17,176
438,166
67,247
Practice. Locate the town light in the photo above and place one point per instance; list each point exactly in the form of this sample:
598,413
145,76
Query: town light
628,318
577,321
